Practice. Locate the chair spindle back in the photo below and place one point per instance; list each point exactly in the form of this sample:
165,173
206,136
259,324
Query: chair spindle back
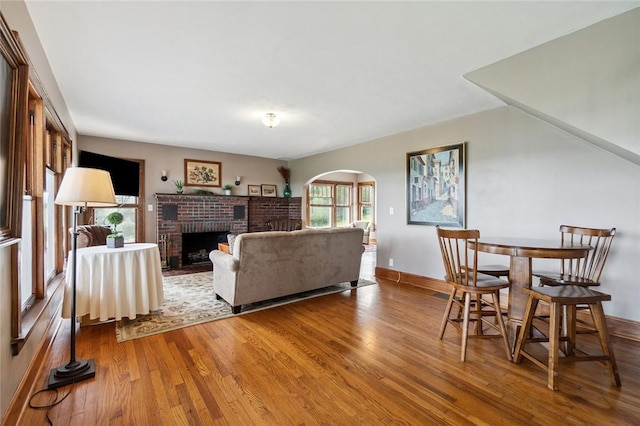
458,255
591,266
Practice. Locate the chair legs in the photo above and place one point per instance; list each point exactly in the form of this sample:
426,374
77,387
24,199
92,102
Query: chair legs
605,342
555,318
447,312
503,330
465,326
473,307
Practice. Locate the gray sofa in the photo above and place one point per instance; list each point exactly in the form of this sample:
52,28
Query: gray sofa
266,265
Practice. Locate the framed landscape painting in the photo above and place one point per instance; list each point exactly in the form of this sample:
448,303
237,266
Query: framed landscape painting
436,186
255,190
202,173
269,190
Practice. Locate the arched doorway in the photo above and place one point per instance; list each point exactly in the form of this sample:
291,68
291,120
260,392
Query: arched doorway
344,198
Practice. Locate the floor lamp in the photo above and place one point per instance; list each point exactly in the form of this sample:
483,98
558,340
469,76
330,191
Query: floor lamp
80,188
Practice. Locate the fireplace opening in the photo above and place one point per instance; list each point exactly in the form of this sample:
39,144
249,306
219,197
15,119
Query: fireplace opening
197,245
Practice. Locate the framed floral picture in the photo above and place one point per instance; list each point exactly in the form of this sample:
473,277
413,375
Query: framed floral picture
269,190
254,191
202,173
436,186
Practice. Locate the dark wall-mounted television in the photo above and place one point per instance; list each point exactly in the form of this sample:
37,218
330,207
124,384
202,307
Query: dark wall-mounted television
125,174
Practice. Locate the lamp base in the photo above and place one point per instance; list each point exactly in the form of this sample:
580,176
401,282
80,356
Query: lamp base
72,372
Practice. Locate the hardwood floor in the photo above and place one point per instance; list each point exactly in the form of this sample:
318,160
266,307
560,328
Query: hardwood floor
369,356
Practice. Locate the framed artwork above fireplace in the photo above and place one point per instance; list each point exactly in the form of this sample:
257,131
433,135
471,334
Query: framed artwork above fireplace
202,173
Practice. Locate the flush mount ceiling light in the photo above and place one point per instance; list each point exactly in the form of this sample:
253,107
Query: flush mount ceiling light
270,120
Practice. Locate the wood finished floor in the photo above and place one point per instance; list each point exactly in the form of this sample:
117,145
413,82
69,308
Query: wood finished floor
370,356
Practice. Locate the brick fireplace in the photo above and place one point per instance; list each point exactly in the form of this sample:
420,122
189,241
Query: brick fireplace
178,214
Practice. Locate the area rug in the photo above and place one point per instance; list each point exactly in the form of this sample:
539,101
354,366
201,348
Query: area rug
189,300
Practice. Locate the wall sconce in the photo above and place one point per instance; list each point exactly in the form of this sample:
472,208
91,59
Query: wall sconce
163,175
237,180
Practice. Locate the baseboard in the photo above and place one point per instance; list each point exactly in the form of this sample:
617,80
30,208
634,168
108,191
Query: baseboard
400,277
619,327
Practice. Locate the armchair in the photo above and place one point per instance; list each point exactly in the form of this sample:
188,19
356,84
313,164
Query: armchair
92,235
364,225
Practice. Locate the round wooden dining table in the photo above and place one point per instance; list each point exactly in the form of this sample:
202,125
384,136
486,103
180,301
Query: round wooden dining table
521,252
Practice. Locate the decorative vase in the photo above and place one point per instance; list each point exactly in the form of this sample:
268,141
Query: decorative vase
287,190
227,192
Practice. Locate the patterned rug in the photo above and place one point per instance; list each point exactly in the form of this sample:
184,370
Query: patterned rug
189,300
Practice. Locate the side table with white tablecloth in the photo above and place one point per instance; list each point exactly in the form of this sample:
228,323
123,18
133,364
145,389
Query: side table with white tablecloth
112,283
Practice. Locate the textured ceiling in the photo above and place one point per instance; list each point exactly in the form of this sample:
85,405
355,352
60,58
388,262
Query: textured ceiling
202,74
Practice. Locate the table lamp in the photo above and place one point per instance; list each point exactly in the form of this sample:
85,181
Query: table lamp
81,188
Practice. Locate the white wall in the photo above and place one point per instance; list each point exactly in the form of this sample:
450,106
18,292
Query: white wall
253,170
524,178
589,79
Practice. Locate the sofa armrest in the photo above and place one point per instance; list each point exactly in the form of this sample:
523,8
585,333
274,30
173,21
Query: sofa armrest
224,260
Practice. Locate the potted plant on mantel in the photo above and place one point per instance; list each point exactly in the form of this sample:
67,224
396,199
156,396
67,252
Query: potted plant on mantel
227,189
179,186
115,239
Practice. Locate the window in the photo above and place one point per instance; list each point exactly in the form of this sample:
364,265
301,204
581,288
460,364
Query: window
36,148
27,295
320,205
128,206
329,204
366,205
343,205
131,207
48,217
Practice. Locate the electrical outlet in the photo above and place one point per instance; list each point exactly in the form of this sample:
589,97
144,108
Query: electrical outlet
150,207
390,262
390,210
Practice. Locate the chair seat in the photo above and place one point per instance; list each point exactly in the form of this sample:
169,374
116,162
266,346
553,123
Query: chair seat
556,279
484,284
495,270
491,283
567,294
563,300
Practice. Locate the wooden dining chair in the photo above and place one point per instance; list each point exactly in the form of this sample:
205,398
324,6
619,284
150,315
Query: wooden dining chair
584,272
559,297
468,287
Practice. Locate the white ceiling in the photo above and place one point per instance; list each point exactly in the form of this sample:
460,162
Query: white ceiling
201,74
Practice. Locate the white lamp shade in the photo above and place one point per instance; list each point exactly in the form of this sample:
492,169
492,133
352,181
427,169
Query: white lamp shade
86,187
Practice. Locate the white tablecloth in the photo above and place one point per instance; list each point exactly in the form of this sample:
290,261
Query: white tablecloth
115,282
